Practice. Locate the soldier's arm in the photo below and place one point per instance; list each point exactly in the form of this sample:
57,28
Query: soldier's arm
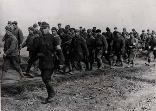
12,47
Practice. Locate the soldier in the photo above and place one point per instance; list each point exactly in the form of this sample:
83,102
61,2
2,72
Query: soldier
79,50
66,46
135,34
36,30
18,33
115,32
91,48
60,29
101,47
131,46
29,44
84,33
9,25
11,51
45,47
118,48
148,39
67,27
80,28
109,37
94,31
143,38
59,41
152,47
125,34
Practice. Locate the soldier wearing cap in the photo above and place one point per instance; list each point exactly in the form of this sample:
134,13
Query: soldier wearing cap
9,24
90,40
135,34
45,47
11,51
94,31
60,29
36,30
18,33
109,37
66,37
131,48
115,32
152,47
125,34
84,33
59,42
79,49
143,38
101,47
118,48
29,44
149,36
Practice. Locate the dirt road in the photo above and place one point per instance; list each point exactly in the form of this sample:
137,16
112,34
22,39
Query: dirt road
120,89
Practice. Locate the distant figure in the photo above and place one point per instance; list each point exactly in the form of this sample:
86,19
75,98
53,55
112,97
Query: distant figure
118,48
152,47
29,44
18,33
90,40
101,47
79,50
11,52
143,38
131,46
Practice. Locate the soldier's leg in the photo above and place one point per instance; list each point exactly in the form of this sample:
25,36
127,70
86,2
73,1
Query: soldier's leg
98,58
14,60
46,78
87,63
120,57
149,56
91,60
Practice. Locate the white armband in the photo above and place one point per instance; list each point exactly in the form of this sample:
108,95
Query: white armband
58,47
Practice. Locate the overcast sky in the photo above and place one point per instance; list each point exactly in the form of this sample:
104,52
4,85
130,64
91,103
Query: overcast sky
139,14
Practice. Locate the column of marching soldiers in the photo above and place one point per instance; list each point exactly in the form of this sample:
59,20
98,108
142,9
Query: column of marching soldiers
65,49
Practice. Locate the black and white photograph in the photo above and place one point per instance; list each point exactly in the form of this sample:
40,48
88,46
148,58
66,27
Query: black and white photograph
78,55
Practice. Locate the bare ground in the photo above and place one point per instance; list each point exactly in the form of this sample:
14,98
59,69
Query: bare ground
119,89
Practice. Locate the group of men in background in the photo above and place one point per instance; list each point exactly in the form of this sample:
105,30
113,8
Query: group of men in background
65,49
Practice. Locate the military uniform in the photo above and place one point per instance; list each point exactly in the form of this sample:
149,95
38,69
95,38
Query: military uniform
131,49
11,53
152,48
79,50
143,38
118,47
100,47
109,37
32,57
45,47
19,35
66,48
91,48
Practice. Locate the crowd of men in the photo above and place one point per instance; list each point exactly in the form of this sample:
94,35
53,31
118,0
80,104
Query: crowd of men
65,49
